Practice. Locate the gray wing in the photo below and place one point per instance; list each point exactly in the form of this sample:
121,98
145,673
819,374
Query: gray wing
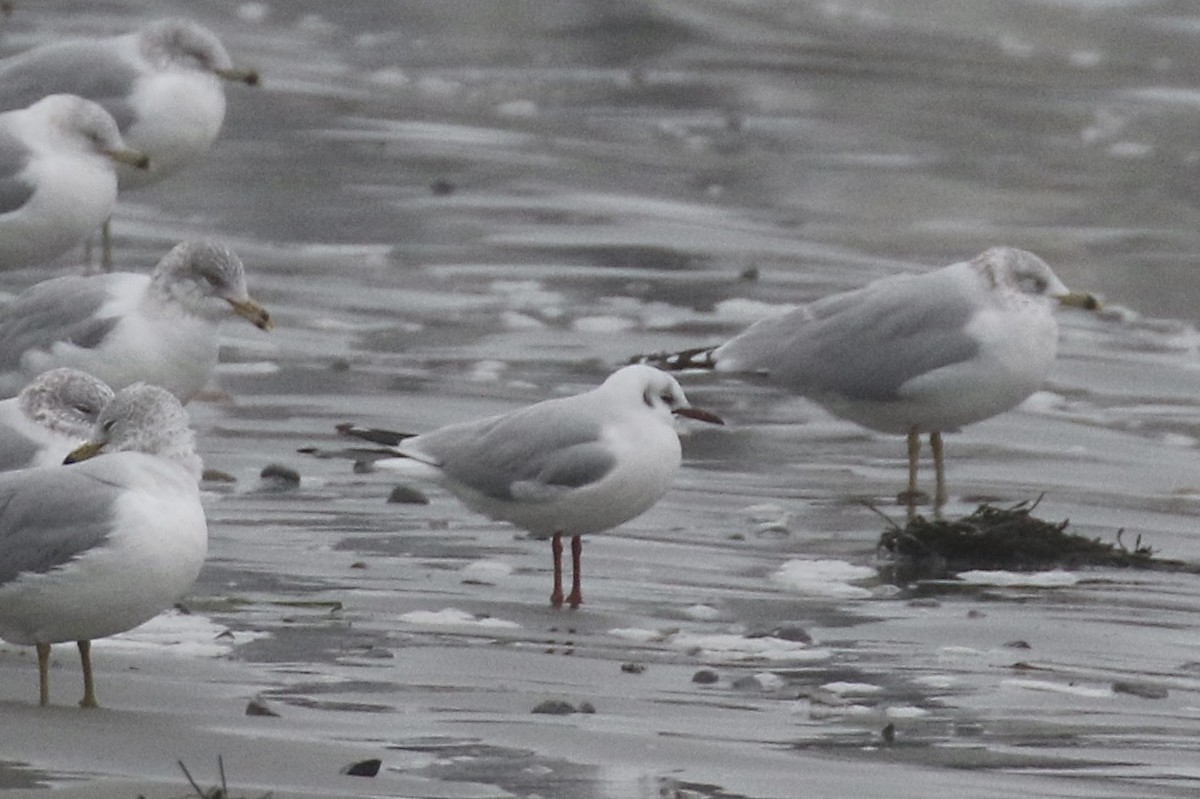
85,68
16,450
864,344
532,454
48,517
61,309
15,190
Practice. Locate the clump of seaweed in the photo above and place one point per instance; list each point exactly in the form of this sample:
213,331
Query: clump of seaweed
1008,539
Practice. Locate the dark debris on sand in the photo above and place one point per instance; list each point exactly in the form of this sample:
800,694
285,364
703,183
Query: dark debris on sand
1003,539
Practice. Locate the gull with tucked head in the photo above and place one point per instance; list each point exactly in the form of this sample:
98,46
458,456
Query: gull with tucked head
125,327
58,179
568,466
92,548
911,354
51,416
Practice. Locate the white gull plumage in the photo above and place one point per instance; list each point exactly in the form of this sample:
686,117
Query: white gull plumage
125,327
99,546
51,416
567,466
911,354
58,178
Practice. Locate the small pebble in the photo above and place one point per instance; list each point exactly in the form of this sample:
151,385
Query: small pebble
586,707
407,495
442,188
279,477
706,677
363,768
257,707
1018,644
217,476
633,668
792,632
555,707
1144,690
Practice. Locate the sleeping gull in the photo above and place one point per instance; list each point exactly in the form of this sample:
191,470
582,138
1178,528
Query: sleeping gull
124,327
573,465
51,416
98,547
58,179
911,354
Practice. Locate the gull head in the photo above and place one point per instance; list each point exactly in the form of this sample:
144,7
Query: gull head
85,126
142,418
209,280
182,44
655,390
65,400
1025,273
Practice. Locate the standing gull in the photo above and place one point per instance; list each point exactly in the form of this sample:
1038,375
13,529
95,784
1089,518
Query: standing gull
51,416
574,465
58,179
98,547
911,354
124,327
163,84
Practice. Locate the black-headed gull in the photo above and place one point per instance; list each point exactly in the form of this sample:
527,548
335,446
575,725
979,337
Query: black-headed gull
567,466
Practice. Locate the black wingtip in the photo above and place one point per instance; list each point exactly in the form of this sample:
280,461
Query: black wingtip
695,358
388,438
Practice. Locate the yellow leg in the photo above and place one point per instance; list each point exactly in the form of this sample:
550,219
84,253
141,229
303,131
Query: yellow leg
914,456
89,688
106,246
939,467
43,655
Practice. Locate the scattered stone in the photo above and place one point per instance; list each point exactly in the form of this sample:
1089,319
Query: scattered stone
555,707
633,668
277,477
257,707
1144,690
706,677
407,495
359,564
792,632
363,768
442,188
586,707
217,476
749,273
1018,644
976,614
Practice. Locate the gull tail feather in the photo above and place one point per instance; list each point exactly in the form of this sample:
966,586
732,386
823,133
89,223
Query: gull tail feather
388,438
695,358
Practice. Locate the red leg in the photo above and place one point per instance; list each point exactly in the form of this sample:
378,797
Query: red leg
575,598
556,596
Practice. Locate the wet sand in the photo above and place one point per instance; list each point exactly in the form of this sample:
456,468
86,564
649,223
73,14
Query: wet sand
451,212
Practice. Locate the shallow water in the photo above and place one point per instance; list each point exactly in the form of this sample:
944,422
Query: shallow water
454,208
